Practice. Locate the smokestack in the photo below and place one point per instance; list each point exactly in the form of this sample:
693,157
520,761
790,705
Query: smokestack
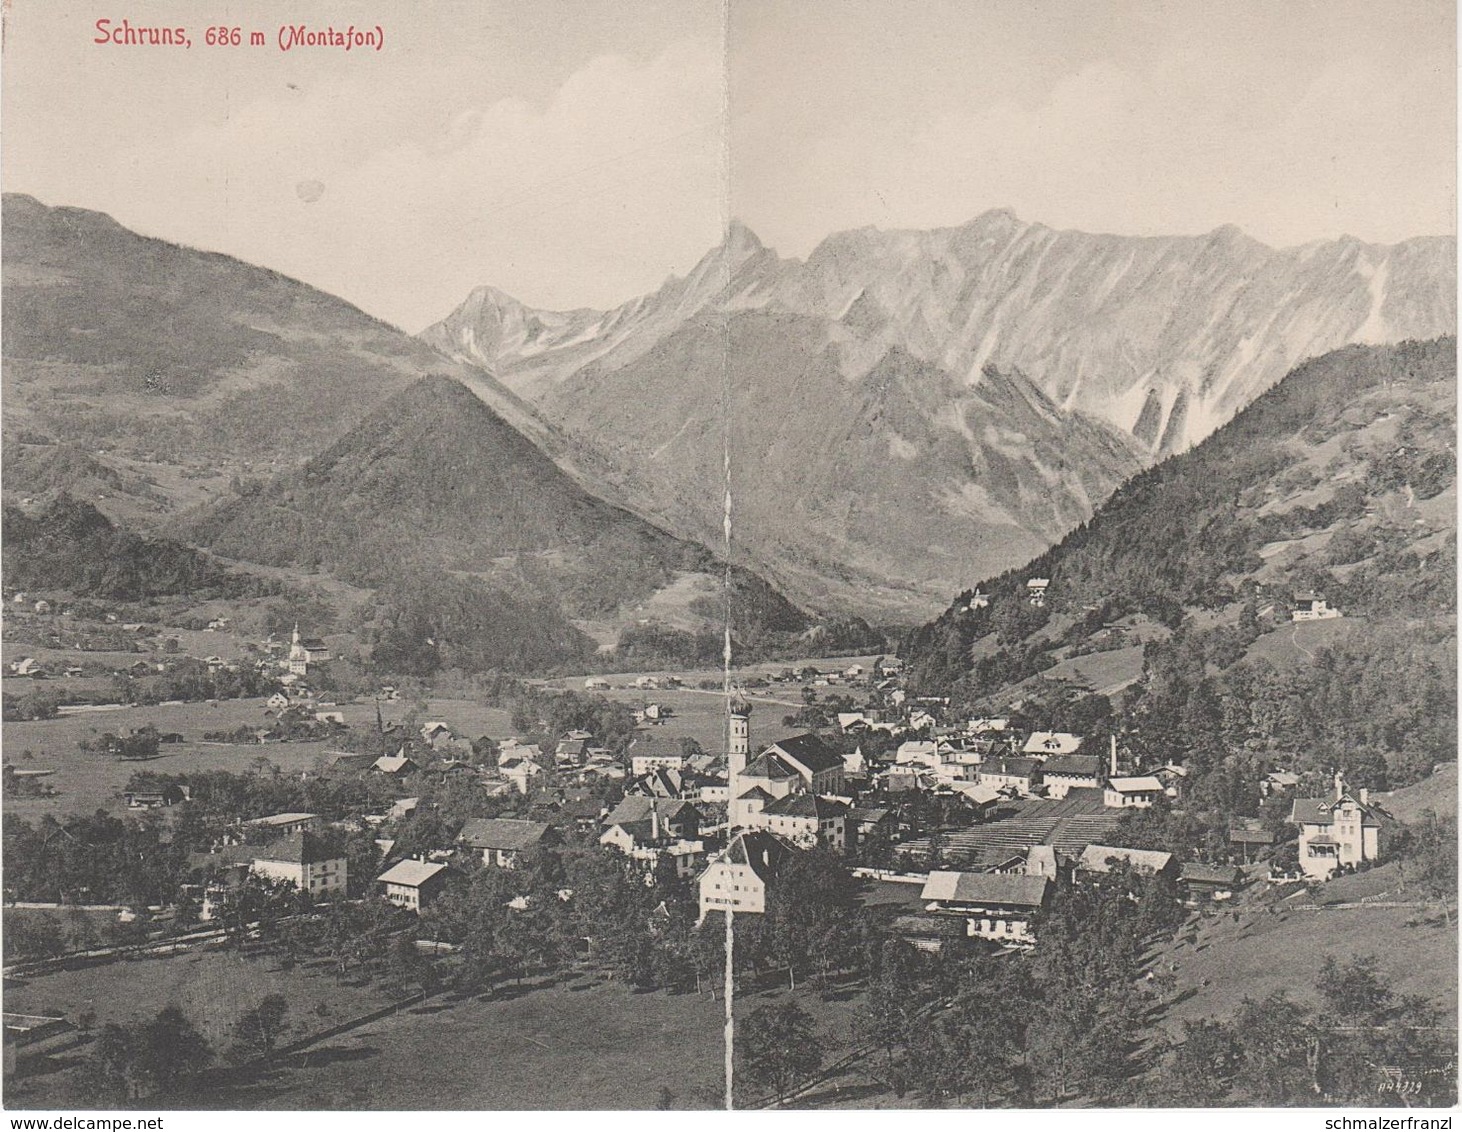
1365,796
1113,771
654,822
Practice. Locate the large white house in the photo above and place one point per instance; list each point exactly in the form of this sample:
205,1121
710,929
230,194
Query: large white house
1345,829
737,878
305,860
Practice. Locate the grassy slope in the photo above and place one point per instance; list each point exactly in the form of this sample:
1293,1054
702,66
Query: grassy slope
1437,793
1262,953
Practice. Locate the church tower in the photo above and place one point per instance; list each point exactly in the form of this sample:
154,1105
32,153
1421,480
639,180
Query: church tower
738,746
738,741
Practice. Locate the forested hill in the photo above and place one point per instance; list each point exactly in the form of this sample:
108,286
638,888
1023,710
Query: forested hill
1341,479
72,547
435,480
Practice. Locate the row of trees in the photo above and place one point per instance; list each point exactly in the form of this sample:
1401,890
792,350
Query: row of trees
1363,1044
1062,1021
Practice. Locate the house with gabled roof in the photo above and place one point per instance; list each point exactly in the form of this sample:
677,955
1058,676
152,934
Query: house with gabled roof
285,824
1344,829
818,763
995,906
1064,773
1098,860
807,820
396,766
647,819
655,752
1044,744
1133,791
1020,775
501,841
737,878
518,767
305,859
1312,607
413,884
765,779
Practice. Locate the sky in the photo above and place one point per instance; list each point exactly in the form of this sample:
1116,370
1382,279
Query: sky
577,152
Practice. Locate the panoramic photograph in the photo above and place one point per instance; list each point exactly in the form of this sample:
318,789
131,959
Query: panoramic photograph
729,554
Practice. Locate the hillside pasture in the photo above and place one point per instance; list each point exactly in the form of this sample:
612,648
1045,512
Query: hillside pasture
1223,960
1437,792
1295,643
1105,673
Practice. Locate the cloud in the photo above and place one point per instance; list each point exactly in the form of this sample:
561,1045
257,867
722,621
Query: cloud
417,192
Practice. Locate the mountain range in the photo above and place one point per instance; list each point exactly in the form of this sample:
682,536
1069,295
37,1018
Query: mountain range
1341,480
224,406
908,412
915,410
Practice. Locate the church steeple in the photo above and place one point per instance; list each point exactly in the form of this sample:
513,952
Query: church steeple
738,739
295,639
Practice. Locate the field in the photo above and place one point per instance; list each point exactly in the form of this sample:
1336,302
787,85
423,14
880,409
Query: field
701,715
467,718
1262,952
1295,643
212,988
1105,673
581,1044
88,781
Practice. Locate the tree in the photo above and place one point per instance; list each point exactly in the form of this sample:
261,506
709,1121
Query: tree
780,1047
1430,860
1203,1068
258,1031
890,1016
1353,995
153,1057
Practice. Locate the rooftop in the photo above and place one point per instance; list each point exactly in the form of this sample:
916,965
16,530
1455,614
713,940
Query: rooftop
502,833
298,848
810,751
1098,858
411,873
1003,889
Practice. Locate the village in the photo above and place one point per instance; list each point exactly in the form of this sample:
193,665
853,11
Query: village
348,827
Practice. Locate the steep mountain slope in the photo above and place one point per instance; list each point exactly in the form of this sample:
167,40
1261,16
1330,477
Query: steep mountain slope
222,403
1341,479
434,480
1159,339
896,473
175,370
